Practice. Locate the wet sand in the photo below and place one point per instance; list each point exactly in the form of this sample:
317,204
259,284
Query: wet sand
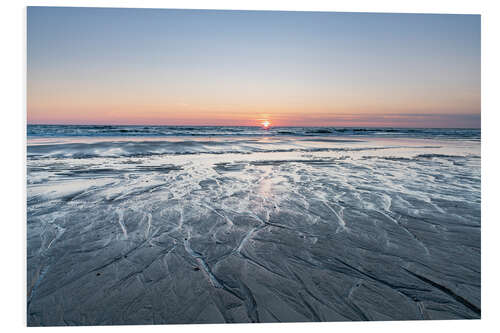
207,230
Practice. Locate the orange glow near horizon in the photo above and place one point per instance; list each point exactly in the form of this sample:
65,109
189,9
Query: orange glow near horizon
84,107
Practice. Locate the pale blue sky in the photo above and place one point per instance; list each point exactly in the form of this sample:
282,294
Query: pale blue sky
90,65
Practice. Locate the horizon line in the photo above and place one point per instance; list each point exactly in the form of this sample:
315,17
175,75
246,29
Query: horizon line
256,126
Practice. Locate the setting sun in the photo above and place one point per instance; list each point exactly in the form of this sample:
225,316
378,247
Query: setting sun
266,124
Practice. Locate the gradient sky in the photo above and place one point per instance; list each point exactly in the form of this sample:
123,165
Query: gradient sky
198,67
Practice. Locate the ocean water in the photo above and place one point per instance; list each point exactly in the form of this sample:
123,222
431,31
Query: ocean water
170,224
210,131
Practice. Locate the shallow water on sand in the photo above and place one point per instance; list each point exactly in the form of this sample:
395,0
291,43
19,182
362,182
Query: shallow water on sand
252,229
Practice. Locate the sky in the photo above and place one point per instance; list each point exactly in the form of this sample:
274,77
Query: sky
210,67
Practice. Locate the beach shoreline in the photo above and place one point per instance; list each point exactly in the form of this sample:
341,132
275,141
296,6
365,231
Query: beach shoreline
158,230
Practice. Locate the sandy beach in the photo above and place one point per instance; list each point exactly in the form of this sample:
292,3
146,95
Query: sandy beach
207,229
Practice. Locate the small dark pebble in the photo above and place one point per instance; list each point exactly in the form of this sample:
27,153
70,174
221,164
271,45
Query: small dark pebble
196,268
98,274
